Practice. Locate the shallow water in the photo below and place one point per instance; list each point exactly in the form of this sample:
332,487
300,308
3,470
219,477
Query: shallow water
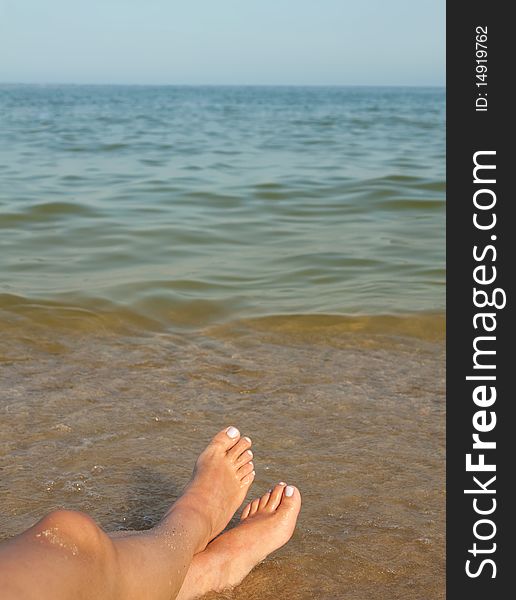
278,267
112,426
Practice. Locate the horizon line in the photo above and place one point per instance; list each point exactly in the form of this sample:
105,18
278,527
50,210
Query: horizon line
314,85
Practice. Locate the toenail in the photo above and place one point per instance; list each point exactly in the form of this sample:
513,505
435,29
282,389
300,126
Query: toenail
289,491
249,452
248,439
232,432
282,483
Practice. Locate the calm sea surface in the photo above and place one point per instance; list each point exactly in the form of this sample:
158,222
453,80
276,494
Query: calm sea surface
174,259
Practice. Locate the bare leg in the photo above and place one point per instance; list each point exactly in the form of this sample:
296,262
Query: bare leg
66,555
267,524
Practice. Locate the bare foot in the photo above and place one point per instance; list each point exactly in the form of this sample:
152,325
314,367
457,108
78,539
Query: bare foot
221,478
266,524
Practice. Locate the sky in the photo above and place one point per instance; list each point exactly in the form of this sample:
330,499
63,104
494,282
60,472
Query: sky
217,42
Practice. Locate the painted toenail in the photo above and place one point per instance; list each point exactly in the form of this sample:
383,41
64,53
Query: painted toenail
232,432
289,491
282,483
249,452
248,439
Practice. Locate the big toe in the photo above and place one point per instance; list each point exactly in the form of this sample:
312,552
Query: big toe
290,501
225,439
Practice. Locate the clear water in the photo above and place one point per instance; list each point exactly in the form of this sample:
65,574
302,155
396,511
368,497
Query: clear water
175,259
201,203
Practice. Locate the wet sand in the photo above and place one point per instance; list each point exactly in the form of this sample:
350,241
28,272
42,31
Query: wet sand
349,410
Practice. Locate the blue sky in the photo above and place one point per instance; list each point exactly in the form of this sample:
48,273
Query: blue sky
305,42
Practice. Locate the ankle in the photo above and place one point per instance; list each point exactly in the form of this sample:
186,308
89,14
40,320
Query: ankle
219,564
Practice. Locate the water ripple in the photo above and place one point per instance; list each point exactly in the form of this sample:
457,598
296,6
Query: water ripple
268,200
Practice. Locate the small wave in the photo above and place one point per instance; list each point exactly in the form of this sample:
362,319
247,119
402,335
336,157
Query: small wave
413,204
45,211
155,313
114,147
426,326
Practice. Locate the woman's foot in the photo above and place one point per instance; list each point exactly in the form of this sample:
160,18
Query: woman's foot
221,478
267,523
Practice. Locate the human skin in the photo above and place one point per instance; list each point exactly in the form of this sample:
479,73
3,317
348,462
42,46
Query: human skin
67,555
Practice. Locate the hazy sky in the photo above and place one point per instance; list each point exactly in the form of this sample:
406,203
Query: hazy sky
363,42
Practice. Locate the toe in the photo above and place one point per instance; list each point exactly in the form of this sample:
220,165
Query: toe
248,479
275,496
244,458
264,500
239,448
254,507
245,470
290,500
245,512
226,439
